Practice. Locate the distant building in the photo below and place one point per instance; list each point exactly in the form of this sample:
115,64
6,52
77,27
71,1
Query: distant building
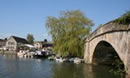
38,44
43,45
14,43
47,45
2,42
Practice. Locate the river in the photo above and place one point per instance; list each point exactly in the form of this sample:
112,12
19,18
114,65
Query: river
13,67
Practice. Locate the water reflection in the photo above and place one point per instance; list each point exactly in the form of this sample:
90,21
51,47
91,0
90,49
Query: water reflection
14,67
88,71
98,71
66,70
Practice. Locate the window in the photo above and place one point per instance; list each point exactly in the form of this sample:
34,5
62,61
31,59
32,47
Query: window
10,43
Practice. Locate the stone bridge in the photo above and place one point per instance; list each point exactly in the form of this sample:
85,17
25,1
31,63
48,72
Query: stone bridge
117,35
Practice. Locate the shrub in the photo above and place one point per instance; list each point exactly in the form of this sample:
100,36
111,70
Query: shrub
124,19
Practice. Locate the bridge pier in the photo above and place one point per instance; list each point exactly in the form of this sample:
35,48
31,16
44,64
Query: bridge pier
128,55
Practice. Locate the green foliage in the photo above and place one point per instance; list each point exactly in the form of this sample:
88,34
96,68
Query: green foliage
124,19
45,40
30,38
118,68
68,32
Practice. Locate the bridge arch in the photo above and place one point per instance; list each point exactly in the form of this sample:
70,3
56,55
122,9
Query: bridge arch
105,53
119,44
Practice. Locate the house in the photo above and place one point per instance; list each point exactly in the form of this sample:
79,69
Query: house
14,43
2,42
47,45
38,44
43,45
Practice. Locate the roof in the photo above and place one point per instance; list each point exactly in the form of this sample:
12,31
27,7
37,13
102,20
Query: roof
2,40
39,42
28,45
42,42
20,40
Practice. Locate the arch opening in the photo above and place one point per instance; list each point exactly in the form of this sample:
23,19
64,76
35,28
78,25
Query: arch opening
104,53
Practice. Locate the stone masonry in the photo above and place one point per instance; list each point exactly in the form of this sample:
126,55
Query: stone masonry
115,34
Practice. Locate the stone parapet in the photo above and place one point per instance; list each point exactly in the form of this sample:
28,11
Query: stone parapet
108,28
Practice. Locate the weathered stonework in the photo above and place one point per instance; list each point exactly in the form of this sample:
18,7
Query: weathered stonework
115,34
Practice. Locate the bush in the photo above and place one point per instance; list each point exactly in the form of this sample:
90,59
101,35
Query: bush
124,19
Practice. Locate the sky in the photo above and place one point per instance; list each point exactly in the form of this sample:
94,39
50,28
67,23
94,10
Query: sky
21,17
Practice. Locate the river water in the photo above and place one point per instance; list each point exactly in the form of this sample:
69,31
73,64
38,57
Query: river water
13,67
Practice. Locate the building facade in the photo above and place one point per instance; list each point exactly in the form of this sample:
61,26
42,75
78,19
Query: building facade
38,44
43,45
2,42
14,43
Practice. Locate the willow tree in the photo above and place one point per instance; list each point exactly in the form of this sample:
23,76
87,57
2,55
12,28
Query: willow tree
68,32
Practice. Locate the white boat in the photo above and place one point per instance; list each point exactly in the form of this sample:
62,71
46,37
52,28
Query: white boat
77,60
51,58
21,53
39,53
59,59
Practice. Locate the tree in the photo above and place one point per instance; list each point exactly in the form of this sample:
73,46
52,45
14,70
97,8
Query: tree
45,40
68,32
30,38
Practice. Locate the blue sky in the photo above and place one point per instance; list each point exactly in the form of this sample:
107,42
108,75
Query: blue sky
20,17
